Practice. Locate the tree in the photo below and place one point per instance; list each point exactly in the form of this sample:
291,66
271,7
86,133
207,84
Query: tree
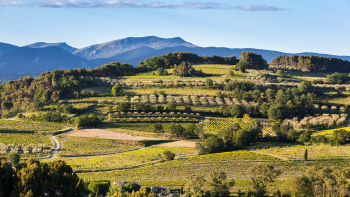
29,179
171,107
297,186
305,154
6,178
195,186
99,187
161,72
252,61
242,65
214,145
176,129
61,178
329,180
261,175
158,128
169,155
130,187
208,82
276,112
305,87
218,184
116,90
236,111
124,106
13,158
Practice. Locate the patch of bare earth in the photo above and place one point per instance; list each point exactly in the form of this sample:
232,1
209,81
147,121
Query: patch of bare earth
107,134
181,143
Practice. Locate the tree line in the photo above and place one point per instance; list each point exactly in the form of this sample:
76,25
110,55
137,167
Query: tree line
170,59
313,63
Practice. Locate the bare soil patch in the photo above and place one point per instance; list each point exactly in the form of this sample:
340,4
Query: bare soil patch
107,134
182,143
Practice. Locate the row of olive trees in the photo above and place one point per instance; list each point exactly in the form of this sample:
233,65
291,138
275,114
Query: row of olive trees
29,149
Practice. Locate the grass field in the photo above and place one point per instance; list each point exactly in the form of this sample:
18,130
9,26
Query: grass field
95,146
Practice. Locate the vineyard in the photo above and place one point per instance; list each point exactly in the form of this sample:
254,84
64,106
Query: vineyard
95,146
125,160
10,125
314,151
235,164
24,139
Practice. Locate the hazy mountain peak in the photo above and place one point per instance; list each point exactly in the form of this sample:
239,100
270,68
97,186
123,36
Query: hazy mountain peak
62,45
115,47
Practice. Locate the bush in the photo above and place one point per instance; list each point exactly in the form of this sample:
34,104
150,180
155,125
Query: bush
169,155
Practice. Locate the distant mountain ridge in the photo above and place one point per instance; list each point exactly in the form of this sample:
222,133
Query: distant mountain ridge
4,48
62,45
40,57
116,47
30,61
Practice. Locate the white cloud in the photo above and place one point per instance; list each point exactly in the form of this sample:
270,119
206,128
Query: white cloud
258,8
130,4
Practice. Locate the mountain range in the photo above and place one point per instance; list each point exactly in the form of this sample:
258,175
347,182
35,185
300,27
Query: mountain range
39,57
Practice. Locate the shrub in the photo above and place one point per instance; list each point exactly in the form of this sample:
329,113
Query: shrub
169,155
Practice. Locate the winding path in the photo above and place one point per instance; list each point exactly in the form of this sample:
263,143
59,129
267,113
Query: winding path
57,144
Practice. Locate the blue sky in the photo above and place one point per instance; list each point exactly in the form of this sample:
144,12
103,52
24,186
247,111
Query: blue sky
287,26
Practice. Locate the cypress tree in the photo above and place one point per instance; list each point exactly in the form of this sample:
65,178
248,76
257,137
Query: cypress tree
305,154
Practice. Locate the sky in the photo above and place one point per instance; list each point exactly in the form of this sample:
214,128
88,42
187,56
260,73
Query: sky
288,26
